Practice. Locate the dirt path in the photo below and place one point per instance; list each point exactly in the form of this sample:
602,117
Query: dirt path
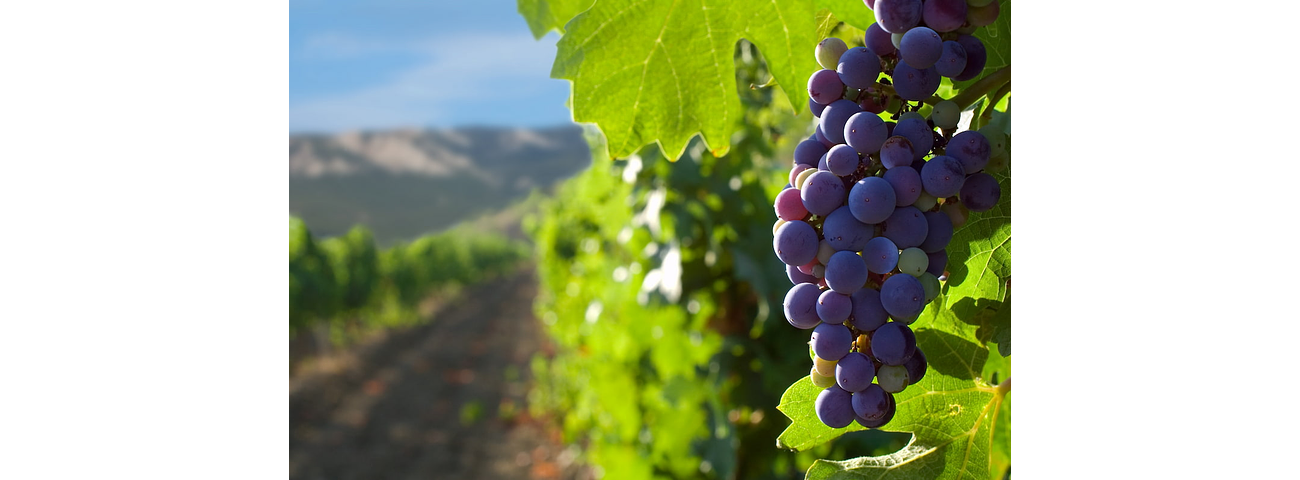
444,400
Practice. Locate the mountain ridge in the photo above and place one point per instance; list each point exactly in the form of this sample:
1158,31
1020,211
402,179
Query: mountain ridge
409,182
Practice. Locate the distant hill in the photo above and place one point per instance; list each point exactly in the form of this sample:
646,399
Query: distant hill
405,183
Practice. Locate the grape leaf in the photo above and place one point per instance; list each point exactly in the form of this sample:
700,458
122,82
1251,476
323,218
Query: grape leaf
826,23
546,15
1001,324
985,244
997,43
651,71
953,414
852,12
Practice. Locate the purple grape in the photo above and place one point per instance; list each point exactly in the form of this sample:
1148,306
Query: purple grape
953,60
915,84
842,160
871,200
896,16
824,86
797,277
896,152
834,407
834,307
871,103
918,165
821,137
795,243
939,232
975,57
916,367
835,117
865,132
906,227
877,40
942,176
821,163
845,272
872,402
903,296
831,341
918,132
858,68
880,255
789,206
854,372
844,232
985,15
920,47
944,15
893,343
980,192
906,183
971,148
808,151
801,305
822,193
938,262
889,414
867,314
815,108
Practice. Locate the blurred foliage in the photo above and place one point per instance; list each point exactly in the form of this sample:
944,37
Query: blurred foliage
348,284
657,284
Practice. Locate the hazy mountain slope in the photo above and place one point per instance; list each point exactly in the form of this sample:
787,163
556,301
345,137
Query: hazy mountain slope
405,183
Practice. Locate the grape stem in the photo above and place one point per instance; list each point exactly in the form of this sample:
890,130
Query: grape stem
987,115
982,87
971,94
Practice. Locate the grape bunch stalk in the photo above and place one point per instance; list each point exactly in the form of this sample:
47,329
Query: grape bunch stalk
871,206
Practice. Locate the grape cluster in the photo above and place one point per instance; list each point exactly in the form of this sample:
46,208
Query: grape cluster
871,205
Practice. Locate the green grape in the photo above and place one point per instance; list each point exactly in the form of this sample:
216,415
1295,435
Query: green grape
824,367
892,378
829,51
946,114
997,140
926,202
916,115
931,285
821,381
913,261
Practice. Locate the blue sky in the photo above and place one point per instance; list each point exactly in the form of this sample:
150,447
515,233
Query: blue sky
406,63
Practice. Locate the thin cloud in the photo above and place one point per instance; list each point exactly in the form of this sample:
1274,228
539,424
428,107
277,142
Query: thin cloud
477,78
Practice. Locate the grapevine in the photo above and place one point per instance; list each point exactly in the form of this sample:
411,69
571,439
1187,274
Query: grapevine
879,201
892,225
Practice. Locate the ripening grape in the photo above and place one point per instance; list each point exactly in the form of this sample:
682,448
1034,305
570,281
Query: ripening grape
859,226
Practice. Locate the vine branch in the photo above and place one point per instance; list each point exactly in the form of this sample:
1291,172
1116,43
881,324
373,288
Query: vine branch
982,87
999,78
987,115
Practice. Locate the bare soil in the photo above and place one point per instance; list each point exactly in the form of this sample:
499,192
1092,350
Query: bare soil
447,399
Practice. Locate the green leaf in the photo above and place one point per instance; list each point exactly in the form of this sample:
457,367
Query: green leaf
985,244
806,431
826,23
852,12
1002,329
660,71
997,42
546,15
